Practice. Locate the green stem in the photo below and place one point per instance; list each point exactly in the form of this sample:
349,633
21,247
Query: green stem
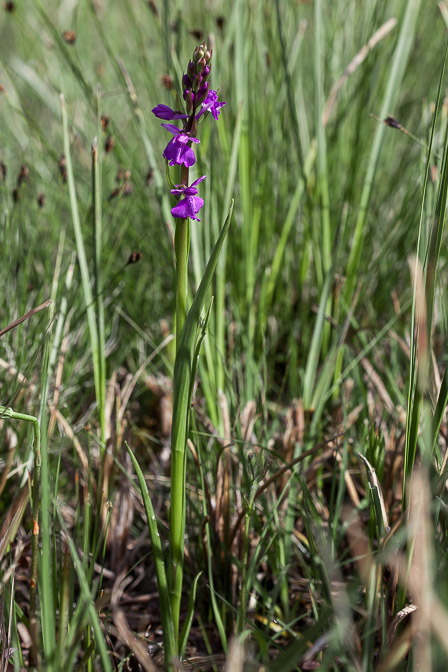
177,529
97,245
181,244
182,249
35,514
177,513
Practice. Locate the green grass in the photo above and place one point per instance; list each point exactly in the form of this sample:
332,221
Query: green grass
319,395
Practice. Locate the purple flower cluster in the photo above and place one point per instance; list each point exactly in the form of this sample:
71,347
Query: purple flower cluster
199,99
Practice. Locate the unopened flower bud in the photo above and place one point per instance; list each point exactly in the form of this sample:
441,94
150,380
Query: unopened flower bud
206,71
197,82
208,56
202,94
186,82
191,69
201,65
190,101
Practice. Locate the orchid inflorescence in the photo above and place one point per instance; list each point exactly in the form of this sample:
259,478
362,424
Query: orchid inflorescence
199,99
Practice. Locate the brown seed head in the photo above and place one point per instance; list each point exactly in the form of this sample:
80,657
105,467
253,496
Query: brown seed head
114,193
23,174
198,34
167,82
153,7
62,165
134,258
128,188
109,144
69,36
392,122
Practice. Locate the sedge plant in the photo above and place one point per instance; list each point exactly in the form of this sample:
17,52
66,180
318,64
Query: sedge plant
200,101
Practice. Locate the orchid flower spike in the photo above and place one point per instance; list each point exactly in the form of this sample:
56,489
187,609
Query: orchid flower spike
199,98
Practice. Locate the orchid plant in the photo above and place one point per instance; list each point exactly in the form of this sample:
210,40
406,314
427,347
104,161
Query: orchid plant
200,101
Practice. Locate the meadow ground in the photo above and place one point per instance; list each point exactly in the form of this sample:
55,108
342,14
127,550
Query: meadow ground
309,438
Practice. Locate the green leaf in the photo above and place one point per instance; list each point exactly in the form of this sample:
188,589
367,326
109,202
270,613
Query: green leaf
189,618
183,374
165,606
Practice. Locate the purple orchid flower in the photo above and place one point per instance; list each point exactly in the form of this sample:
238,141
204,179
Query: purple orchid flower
211,104
190,205
165,112
177,150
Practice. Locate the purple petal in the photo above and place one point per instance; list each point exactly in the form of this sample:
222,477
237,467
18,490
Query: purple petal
172,128
165,112
216,109
188,207
200,179
181,136
188,157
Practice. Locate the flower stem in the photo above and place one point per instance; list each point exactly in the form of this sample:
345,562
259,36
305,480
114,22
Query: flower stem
182,249
177,514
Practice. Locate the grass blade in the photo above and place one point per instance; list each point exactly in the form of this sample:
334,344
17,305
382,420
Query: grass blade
398,66
162,584
85,591
415,390
189,617
82,258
